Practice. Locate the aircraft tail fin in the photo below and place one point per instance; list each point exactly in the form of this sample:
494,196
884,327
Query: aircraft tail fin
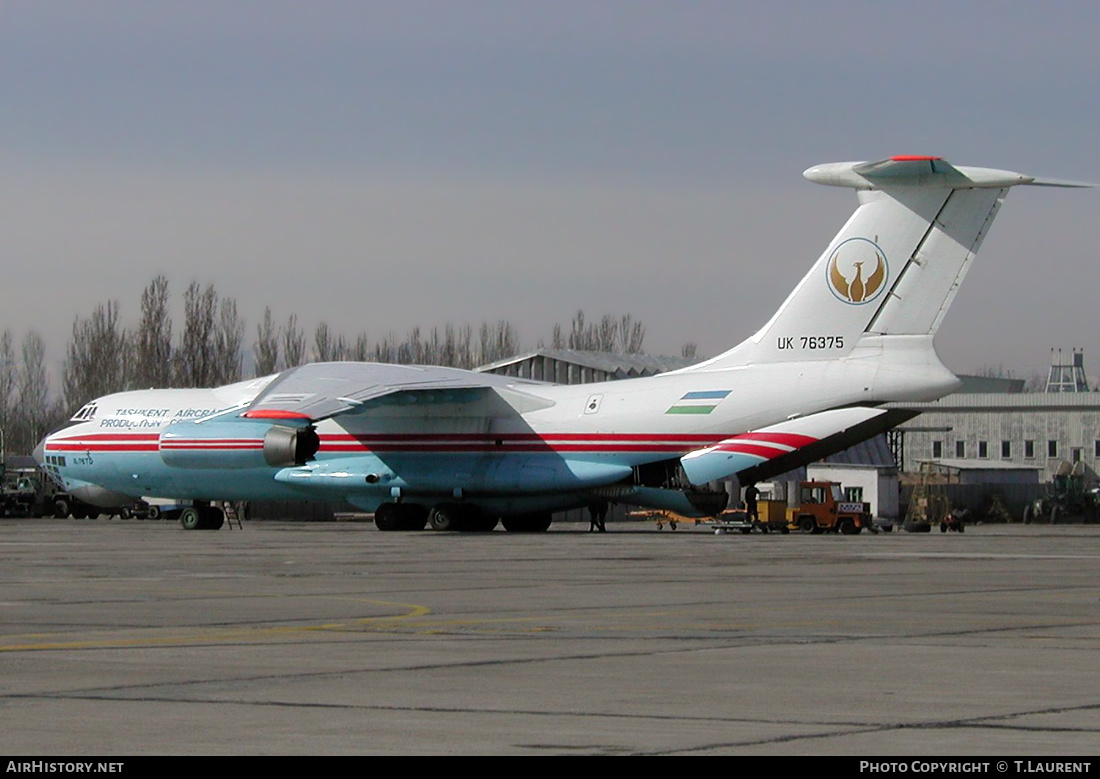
895,266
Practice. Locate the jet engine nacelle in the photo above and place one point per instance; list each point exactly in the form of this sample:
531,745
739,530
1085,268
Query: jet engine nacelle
287,446
236,445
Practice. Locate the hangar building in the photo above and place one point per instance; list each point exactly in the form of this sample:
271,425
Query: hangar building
1001,428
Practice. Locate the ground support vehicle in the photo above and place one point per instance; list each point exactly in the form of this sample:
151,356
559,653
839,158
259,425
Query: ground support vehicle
822,508
955,521
152,509
1068,496
28,492
663,517
771,518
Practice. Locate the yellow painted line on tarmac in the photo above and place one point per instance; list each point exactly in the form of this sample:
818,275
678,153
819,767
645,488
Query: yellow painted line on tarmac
413,618
35,644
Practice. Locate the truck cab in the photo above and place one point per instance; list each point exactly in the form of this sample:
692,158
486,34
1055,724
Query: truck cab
822,507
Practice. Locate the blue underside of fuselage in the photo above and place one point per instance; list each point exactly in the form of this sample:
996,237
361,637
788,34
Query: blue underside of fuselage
536,481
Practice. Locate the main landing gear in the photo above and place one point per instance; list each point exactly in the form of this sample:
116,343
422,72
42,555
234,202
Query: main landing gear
401,516
202,516
462,517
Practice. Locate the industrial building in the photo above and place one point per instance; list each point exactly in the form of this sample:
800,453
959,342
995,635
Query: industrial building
1033,430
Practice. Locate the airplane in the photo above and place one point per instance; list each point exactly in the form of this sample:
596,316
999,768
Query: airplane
462,450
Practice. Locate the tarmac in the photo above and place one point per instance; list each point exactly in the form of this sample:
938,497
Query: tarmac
138,638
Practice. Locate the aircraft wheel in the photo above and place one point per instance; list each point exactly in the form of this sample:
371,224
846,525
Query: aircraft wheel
125,513
387,517
60,508
214,518
482,523
471,520
527,523
444,518
413,516
191,519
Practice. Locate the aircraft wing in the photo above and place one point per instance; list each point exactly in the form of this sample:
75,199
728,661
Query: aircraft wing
321,390
770,451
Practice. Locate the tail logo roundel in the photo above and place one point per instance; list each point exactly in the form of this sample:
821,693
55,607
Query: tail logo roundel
857,271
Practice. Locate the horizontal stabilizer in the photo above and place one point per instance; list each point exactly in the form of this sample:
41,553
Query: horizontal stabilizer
776,449
919,170
910,170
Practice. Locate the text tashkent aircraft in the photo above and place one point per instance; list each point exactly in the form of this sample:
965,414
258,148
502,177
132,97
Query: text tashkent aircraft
461,449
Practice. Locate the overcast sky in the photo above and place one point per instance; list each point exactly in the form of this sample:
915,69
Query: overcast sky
380,165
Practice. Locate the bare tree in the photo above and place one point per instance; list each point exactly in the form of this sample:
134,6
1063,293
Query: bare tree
153,340
497,342
228,336
327,347
96,361
464,347
8,385
631,335
294,342
361,351
195,355
266,348
556,340
341,350
578,335
32,395
622,335
607,334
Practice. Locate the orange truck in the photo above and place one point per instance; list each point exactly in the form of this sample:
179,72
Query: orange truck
822,508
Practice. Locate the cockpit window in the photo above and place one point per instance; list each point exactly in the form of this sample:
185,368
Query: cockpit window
86,413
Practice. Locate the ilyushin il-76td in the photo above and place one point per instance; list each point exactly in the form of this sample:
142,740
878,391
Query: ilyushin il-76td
458,449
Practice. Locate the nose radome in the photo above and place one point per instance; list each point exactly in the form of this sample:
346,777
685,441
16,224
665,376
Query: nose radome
39,452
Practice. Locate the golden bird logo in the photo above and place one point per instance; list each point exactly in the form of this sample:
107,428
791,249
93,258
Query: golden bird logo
852,286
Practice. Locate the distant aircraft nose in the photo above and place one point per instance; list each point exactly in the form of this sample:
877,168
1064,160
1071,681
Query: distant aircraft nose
39,452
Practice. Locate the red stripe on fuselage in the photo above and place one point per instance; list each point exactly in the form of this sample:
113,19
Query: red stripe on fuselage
665,443
382,437
662,443
77,446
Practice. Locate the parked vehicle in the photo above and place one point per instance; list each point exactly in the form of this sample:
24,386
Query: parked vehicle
822,508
